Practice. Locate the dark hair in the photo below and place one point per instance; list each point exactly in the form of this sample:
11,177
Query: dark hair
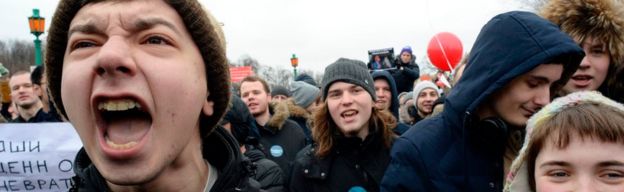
252,78
37,75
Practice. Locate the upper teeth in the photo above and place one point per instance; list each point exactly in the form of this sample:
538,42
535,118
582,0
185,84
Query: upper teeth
118,105
349,113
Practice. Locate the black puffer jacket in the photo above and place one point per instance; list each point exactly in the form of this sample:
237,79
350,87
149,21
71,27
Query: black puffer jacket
219,148
281,138
267,172
352,165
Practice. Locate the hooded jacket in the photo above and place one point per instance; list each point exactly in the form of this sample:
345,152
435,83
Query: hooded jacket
281,138
405,74
394,101
454,151
219,148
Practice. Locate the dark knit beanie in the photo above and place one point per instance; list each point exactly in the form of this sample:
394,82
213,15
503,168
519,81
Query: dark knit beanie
203,28
348,71
280,90
306,78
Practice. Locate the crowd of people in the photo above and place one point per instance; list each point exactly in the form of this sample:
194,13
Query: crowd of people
535,106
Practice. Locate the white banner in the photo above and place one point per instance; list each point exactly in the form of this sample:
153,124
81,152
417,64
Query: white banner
37,156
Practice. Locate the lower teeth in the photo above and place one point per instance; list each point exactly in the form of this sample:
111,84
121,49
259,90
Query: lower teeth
120,146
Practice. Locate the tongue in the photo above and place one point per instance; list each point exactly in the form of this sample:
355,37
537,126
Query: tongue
127,129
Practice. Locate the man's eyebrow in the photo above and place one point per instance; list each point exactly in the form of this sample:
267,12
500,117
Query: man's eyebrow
541,79
610,163
148,23
87,28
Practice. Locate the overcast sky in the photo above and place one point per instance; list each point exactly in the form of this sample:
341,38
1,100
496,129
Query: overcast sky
318,31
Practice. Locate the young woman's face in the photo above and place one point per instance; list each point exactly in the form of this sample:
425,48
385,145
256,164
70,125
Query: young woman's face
593,69
584,165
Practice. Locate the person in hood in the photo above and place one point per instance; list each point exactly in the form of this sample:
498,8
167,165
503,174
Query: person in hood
576,143
304,101
281,138
598,27
406,70
144,83
517,61
241,124
352,137
387,97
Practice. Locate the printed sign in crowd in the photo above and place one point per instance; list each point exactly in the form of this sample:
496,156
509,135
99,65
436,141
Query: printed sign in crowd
37,157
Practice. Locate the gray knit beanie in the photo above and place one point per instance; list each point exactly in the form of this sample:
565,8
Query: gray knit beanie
348,71
420,86
303,93
280,90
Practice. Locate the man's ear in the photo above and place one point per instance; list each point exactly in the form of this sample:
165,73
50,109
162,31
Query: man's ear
208,107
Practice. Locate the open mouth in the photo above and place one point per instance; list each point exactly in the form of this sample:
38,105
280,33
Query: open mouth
349,114
124,122
582,80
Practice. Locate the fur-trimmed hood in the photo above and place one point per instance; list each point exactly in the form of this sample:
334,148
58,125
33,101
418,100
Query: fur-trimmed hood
295,110
601,19
279,114
582,18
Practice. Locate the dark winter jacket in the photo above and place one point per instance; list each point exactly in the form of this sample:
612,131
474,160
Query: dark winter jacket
281,138
405,74
454,151
40,117
219,148
353,164
300,116
242,123
267,172
394,101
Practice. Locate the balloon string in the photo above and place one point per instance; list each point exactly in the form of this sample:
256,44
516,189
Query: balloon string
448,63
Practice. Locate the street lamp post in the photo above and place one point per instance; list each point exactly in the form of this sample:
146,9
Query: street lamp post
37,26
294,61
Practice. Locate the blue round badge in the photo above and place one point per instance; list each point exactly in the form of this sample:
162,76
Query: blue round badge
357,189
277,151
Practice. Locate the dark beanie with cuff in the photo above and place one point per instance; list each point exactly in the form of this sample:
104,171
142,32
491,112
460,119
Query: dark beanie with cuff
280,90
348,71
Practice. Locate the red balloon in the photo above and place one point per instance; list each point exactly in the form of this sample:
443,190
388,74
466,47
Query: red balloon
445,51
